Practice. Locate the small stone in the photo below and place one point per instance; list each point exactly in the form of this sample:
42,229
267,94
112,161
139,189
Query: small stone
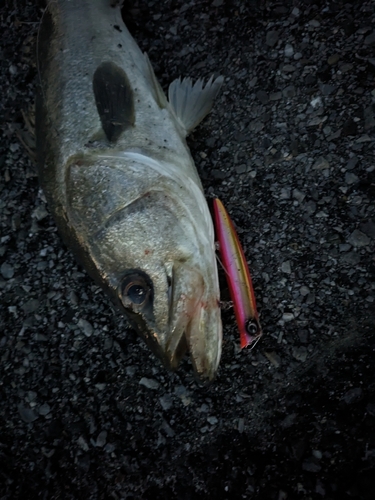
287,317
353,395
310,299
288,68
344,247
285,193
295,12
217,3
352,163
130,370
39,213
101,439
327,89
167,429
314,23
370,39
288,421
358,239
7,271
310,207
351,258
300,353
310,466
304,290
298,195
27,415
86,327
368,228
166,402
317,454
44,409
285,267
149,383
288,50
273,358
351,178
31,306
334,59
272,38
212,420
262,96
241,169
289,91
275,96
320,163
241,425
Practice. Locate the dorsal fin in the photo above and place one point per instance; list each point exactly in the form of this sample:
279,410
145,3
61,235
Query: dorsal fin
192,102
114,99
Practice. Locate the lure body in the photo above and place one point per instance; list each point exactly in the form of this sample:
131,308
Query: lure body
238,276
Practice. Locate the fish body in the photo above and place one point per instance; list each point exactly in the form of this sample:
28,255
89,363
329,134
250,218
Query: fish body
238,276
121,183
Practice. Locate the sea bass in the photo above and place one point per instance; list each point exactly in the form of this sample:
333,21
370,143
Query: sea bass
120,180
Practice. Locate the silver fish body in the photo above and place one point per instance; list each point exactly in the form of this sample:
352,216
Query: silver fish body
121,183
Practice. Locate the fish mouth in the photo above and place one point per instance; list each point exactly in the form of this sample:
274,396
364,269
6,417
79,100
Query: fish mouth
193,325
194,322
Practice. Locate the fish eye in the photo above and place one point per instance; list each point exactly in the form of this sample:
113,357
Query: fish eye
136,291
252,327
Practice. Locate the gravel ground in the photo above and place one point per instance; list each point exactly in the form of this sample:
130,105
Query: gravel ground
86,411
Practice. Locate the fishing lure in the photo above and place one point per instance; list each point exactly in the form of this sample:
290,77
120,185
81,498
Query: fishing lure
238,276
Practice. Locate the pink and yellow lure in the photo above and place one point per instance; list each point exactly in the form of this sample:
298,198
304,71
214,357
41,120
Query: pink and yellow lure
238,276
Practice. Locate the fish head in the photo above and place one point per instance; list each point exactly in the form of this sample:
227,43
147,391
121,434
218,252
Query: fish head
157,261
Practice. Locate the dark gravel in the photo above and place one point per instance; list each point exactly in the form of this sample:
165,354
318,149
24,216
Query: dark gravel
86,411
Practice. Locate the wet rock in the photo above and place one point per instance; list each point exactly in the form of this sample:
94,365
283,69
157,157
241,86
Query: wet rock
272,38
358,239
288,50
7,270
368,228
285,267
101,439
31,306
149,383
353,395
320,164
333,59
370,39
351,258
166,402
262,96
351,178
288,421
274,358
27,415
300,353
86,327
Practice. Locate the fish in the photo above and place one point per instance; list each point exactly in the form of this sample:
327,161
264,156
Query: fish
120,180
238,276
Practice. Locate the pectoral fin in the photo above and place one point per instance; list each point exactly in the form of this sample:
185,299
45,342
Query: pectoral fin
114,99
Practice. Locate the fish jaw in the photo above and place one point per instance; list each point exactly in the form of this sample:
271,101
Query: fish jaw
194,324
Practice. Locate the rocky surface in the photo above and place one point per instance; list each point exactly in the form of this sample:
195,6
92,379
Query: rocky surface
86,411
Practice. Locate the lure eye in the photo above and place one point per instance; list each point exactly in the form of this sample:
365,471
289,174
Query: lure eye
252,327
136,292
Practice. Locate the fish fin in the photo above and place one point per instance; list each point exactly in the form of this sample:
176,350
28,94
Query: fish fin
192,102
114,99
158,92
